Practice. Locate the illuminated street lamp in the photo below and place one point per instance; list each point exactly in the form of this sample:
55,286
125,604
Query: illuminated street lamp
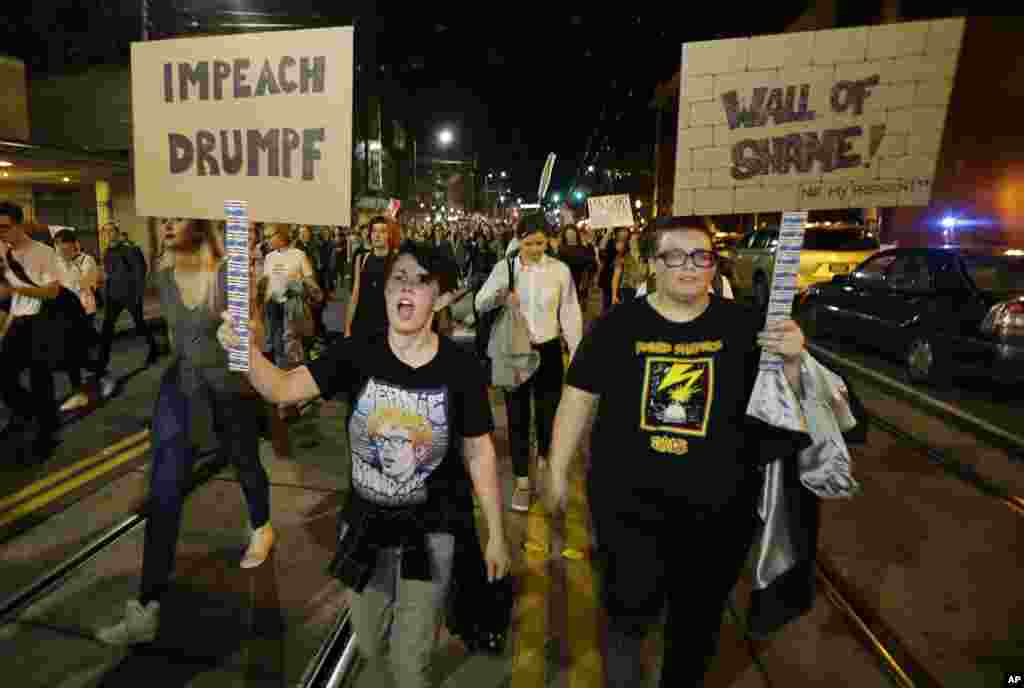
639,204
556,197
445,137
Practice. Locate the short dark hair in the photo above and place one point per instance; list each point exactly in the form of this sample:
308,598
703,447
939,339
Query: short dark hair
13,211
378,220
651,237
65,236
531,223
439,267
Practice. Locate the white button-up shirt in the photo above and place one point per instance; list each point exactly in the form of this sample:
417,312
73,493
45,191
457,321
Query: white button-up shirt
547,299
40,263
80,276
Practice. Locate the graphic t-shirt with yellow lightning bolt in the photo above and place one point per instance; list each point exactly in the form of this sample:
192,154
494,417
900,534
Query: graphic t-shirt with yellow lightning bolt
672,399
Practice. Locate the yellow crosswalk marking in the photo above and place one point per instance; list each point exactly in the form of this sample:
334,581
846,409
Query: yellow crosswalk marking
64,488
529,665
54,478
586,668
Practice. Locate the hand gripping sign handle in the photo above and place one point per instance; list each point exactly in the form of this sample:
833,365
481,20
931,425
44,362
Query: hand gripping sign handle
784,276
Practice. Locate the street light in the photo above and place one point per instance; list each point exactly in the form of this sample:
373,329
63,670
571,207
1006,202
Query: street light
445,137
556,197
590,169
639,204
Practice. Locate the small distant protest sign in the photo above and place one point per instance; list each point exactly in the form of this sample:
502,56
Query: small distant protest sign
610,211
265,118
842,118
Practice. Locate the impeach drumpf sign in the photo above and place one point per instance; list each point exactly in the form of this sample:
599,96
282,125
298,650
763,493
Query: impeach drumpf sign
266,118
842,118
610,211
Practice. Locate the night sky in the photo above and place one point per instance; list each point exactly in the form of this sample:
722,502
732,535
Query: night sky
515,81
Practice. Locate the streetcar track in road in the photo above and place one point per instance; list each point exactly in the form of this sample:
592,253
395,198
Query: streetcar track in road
951,465
54,579
944,458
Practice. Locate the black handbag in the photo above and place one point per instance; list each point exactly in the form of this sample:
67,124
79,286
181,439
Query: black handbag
56,325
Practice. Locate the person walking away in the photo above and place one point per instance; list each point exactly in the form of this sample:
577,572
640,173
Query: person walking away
124,289
609,251
545,294
290,277
419,402
579,258
630,270
192,282
79,274
675,521
366,310
39,283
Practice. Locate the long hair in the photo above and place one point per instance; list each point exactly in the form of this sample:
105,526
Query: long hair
211,256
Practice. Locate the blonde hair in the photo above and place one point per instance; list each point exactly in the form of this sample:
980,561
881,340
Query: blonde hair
388,416
211,257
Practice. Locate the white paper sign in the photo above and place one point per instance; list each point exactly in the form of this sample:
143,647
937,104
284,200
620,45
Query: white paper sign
265,117
610,211
842,118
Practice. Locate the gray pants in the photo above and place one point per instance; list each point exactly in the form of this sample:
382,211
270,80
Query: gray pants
404,614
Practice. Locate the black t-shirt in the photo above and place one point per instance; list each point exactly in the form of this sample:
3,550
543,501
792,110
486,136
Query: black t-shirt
371,312
407,424
670,417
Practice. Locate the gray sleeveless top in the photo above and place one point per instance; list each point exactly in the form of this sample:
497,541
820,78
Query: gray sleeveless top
199,356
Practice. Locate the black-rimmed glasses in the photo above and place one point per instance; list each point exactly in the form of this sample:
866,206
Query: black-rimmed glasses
701,258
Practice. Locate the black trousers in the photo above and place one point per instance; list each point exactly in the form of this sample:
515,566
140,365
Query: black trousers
113,311
688,557
545,388
39,402
80,358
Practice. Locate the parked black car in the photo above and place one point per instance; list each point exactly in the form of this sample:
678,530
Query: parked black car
939,310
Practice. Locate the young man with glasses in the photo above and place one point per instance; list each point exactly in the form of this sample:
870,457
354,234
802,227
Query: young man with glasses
672,482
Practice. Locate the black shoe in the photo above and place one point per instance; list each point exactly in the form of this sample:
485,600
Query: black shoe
14,429
39,451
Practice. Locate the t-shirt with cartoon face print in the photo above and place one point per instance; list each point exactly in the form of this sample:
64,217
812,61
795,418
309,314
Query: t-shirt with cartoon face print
670,418
406,424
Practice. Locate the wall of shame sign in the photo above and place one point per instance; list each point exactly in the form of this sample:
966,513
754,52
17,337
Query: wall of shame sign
230,151
838,118
830,149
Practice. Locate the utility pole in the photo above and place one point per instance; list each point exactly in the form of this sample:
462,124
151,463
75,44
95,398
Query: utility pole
145,19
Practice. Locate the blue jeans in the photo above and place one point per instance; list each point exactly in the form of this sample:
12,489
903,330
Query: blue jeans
235,424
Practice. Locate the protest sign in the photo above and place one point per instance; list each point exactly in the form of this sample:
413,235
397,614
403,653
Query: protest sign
842,118
610,211
260,117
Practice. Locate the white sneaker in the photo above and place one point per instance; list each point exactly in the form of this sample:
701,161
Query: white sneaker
108,386
138,626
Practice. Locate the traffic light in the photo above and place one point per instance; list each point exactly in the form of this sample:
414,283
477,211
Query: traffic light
578,195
